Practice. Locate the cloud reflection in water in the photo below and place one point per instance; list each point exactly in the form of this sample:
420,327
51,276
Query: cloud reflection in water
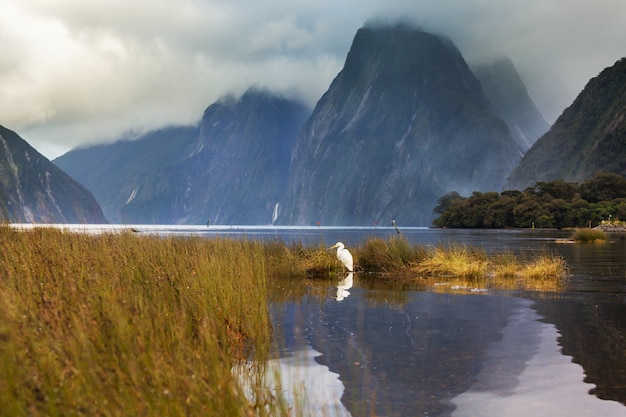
549,384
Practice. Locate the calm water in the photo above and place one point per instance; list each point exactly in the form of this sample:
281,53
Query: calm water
360,347
363,348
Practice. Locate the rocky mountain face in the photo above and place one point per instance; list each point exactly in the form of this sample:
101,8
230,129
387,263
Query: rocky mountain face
113,171
510,100
34,190
588,137
232,169
403,123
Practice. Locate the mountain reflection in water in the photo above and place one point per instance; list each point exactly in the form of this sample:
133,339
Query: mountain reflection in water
548,384
439,354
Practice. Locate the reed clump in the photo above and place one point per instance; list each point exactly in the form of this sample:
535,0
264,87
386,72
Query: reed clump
121,324
459,266
392,255
297,259
454,260
544,268
586,234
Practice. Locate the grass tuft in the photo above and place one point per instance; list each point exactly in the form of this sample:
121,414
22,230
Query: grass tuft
545,268
455,261
589,235
392,255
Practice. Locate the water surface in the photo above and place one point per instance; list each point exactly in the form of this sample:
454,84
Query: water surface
418,351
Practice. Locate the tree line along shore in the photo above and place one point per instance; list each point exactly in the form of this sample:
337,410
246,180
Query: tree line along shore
599,201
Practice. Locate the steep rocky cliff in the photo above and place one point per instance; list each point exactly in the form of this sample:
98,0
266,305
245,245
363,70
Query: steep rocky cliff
588,137
33,190
113,171
232,169
510,100
403,123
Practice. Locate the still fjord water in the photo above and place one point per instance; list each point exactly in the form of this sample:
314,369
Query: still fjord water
377,349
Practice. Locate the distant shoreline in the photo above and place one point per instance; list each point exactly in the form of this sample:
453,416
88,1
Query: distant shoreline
611,228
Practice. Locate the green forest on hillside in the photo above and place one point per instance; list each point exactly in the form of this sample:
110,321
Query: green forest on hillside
557,204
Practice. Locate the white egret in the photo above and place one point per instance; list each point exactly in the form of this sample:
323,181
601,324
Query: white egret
344,256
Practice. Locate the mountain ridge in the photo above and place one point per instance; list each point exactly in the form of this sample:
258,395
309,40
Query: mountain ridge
587,138
510,100
231,169
34,190
405,121
431,103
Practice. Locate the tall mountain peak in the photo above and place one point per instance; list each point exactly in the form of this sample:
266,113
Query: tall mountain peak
404,122
510,100
230,169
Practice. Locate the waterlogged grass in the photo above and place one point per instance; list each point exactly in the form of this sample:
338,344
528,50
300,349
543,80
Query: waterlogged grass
124,324
460,266
118,324
389,255
454,260
451,265
589,235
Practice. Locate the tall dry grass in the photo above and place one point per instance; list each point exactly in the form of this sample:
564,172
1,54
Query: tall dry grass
392,255
455,260
119,324
586,234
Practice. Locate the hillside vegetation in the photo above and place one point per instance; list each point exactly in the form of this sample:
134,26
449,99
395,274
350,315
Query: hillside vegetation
587,138
558,204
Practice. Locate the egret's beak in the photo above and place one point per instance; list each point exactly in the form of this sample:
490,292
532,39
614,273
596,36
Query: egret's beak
333,247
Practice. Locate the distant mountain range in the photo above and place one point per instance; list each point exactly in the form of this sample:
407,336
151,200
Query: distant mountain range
588,137
403,123
233,168
34,190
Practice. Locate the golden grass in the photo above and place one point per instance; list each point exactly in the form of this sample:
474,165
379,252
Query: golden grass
586,234
119,324
540,272
456,261
392,255
544,268
462,267
124,324
297,259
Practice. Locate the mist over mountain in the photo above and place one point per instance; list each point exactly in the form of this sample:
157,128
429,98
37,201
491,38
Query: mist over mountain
588,137
510,100
403,123
232,169
34,190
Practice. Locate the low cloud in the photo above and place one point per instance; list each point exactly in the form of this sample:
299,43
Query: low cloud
74,73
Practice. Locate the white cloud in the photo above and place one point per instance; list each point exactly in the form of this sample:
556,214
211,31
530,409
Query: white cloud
74,72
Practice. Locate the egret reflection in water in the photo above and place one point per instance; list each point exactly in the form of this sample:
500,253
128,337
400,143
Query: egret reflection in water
344,285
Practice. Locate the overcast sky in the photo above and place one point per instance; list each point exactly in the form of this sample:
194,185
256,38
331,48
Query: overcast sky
75,72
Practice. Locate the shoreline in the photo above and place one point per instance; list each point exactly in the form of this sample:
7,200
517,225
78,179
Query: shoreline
611,228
